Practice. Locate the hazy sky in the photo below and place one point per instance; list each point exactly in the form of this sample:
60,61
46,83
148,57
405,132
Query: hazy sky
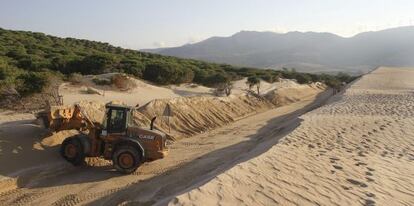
153,23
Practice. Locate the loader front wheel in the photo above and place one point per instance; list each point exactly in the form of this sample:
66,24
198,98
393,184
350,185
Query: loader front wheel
72,151
126,159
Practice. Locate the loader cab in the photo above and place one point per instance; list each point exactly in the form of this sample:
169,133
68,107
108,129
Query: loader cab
117,118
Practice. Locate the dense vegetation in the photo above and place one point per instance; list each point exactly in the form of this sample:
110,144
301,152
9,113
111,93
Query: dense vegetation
28,59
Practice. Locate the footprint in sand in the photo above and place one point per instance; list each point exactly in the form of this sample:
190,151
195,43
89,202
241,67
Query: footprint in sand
369,179
361,154
360,163
369,202
356,182
369,194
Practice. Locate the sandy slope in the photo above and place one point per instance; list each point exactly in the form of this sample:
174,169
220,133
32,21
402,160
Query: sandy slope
357,150
34,174
141,94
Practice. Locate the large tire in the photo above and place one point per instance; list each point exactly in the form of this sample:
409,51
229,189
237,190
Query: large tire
126,158
72,151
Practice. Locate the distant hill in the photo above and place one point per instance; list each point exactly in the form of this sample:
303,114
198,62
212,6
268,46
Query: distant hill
309,51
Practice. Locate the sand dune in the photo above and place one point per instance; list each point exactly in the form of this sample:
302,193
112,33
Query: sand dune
357,150
195,115
141,94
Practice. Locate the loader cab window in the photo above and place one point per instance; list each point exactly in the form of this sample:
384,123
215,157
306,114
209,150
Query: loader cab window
116,120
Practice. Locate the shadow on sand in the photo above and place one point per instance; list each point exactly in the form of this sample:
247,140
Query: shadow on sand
24,158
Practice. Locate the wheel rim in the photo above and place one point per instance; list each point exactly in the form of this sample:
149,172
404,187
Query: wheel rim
70,151
126,160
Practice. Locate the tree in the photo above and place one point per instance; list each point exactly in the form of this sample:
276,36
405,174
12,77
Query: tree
303,78
31,82
267,77
3,67
3,74
343,77
222,84
97,64
133,67
228,87
162,72
254,81
185,75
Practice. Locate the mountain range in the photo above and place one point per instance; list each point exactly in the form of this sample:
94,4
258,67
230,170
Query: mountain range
305,51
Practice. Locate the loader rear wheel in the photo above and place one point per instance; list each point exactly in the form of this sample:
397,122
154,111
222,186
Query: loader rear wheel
126,159
72,151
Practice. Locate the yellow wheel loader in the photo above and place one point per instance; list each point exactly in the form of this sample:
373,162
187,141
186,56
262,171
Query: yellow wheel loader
115,139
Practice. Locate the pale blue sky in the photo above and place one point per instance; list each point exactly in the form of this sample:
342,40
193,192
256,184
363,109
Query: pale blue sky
153,23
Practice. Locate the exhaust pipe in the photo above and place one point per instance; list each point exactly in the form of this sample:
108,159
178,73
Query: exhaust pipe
152,123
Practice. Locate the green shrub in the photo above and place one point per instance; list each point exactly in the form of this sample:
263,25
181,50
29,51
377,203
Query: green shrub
217,79
303,78
167,73
3,74
31,82
133,67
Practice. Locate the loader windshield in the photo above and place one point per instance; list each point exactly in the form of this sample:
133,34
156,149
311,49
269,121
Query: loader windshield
117,120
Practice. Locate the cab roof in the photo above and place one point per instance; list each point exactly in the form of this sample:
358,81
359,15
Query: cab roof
118,106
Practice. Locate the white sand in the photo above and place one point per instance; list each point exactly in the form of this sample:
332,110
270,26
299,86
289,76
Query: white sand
358,150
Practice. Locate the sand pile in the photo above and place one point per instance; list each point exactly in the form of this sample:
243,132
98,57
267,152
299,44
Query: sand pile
198,114
137,92
293,93
94,109
188,115
358,150
194,115
240,86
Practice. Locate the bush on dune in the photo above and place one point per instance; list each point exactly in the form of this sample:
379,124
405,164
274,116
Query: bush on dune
31,82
